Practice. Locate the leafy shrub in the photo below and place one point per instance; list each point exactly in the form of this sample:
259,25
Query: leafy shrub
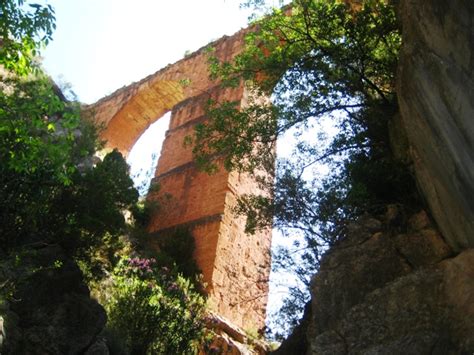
176,251
52,189
154,310
24,29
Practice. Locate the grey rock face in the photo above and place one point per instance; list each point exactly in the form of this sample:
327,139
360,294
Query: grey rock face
52,312
365,261
436,97
430,311
393,289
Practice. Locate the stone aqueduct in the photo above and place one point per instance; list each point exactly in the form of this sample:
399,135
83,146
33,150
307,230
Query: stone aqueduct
235,266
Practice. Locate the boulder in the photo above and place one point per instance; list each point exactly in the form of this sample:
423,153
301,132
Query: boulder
430,311
51,308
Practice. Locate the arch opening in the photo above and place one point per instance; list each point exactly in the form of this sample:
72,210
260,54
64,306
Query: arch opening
188,197
145,153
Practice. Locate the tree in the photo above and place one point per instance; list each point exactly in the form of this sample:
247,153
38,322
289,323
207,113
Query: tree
24,29
52,189
319,60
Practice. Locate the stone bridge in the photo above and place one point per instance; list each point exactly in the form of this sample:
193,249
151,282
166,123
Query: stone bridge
235,266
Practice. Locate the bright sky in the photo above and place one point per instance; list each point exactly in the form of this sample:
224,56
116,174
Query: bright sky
102,45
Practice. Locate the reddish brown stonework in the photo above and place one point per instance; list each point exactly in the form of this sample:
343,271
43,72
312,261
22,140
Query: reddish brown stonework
235,265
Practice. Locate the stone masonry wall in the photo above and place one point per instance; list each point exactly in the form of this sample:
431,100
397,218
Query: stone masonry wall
129,111
235,266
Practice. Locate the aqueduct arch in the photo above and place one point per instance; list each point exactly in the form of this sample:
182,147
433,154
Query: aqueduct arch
235,266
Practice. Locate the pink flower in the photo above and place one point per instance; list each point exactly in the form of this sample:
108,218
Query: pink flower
173,287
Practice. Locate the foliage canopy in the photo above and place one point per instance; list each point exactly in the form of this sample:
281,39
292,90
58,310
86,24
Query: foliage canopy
55,192
24,29
51,187
320,61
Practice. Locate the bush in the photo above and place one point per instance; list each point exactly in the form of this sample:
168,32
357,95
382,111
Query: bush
154,310
176,251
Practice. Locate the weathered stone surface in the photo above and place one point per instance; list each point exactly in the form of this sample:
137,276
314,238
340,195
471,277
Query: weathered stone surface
429,311
98,348
242,264
382,292
365,261
235,266
423,247
52,312
436,90
230,339
391,286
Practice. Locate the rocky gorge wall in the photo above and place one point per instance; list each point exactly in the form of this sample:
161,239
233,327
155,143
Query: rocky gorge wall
436,91
404,283
51,311
393,286
391,290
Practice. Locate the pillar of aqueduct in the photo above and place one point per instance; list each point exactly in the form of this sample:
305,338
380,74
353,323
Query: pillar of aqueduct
235,266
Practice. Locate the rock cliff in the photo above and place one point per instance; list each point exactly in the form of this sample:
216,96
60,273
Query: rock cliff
51,311
391,291
436,91
398,284
393,286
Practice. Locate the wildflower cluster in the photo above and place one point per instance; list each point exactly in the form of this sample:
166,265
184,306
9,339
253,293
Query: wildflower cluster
155,309
141,265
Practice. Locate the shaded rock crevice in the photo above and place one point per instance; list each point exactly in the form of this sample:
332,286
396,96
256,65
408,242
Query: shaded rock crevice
51,311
